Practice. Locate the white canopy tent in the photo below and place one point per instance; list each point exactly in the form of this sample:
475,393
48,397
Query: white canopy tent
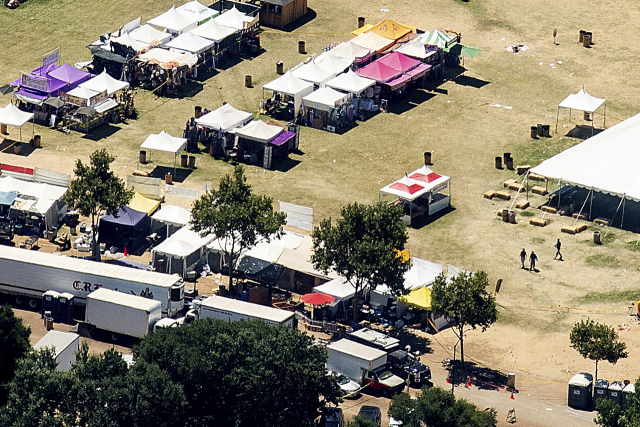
314,73
289,84
104,81
422,273
42,199
225,118
333,63
372,41
127,40
171,216
174,22
165,142
83,92
163,56
350,51
189,42
213,30
182,251
584,102
259,131
13,116
338,288
350,82
324,99
233,18
148,34
196,10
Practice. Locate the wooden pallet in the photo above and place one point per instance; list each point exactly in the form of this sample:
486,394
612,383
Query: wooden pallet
539,190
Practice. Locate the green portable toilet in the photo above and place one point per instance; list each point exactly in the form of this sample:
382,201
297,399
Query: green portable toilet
615,392
600,390
580,395
626,391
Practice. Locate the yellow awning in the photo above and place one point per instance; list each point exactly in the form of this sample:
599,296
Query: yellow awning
420,298
390,30
143,204
365,27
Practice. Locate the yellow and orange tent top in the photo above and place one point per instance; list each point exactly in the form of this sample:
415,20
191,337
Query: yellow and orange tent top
362,29
390,30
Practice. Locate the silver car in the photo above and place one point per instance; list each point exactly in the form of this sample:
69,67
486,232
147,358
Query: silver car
350,389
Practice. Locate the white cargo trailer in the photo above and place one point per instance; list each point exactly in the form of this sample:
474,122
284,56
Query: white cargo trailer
122,313
351,359
217,307
28,274
65,346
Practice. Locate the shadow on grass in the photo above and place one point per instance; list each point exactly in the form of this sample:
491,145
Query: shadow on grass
285,164
470,81
303,20
8,147
426,220
481,377
411,100
583,132
180,175
101,132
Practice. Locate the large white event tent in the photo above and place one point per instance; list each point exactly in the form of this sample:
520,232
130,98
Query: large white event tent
314,73
148,34
259,131
350,82
170,216
196,10
174,22
104,81
182,251
324,99
422,273
42,199
606,162
213,30
165,142
233,18
189,42
582,101
13,116
289,84
225,118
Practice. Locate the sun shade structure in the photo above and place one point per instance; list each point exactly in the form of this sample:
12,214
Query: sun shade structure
462,50
420,298
144,204
165,142
436,38
169,59
289,84
317,298
189,42
170,217
351,52
182,251
259,131
399,62
372,42
13,116
324,99
70,75
225,118
582,101
103,82
338,288
390,30
379,72
148,34
213,30
416,50
363,29
128,228
83,92
174,21
350,82
6,199
314,73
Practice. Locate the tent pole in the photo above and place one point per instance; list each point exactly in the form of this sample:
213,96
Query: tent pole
591,203
605,115
593,119
559,193
624,202
175,155
20,133
557,116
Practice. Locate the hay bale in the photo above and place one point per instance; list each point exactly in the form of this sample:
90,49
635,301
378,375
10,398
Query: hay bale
602,221
508,182
569,229
522,205
539,190
138,172
538,222
580,216
516,187
580,228
536,177
549,209
522,169
489,194
503,195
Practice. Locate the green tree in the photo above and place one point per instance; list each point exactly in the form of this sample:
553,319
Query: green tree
632,414
597,341
609,414
237,217
362,247
244,373
97,188
465,301
14,343
434,406
359,421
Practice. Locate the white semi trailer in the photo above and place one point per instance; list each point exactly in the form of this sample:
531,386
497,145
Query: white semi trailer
28,274
217,307
65,345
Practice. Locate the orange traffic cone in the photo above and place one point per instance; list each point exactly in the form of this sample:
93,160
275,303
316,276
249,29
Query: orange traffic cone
512,398
468,381
125,251
449,380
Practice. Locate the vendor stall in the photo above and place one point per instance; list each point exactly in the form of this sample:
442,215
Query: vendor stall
419,193
127,229
327,109
373,42
44,201
390,30
225,118
223,37
162,70
182,251
12,116
237,20
104,82
174,22
258,143
293,89
169,219
128,41
189,42
194,10
352,52
351,82
87,109
314,73
149,35
429,54
333,63
165,142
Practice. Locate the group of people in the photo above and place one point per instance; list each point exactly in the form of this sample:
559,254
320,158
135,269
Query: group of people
533,258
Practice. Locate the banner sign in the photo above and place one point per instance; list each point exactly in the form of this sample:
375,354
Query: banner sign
35,82
50,59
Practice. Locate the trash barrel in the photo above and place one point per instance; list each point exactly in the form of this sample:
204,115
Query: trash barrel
192,162
73,229
143,157
506,156
600,390
247,81
49,323
498,162
183,160
301,48
509,163
160,266
626,391
17,148
580,391
197,111
534,132
512,217
427,158
587,116
3,129
37,141
168,179
590,35
596,237
505,215
586,40
280,67
360,21
546,131
582,32
615,392
540,130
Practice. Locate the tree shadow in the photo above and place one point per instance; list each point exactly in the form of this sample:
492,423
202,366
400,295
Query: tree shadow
101,132
180,175
583,132
481,377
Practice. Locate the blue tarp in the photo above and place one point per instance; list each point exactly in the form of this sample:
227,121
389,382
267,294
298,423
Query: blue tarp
7,198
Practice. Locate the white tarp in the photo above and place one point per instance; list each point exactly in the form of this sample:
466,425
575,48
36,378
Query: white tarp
582,101
189,42
104,81
289,84
148,34
164,142
13,116
271,251
606,162
313,73
351,82
324,99
174,21
196,10
338,288
259,131
225,118
212,30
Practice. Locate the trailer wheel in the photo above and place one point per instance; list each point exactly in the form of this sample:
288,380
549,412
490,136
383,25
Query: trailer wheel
19,301
114,337
33,303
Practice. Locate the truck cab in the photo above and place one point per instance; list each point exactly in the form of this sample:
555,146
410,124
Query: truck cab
383,381
176,299
405,365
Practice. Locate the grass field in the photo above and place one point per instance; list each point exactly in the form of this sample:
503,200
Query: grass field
454,120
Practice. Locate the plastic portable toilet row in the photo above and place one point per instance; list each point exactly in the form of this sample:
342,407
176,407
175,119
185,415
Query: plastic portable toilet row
583,394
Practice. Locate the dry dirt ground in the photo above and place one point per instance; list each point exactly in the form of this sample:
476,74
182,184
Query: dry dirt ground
453,119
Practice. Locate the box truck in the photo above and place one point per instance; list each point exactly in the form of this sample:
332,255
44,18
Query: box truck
27,275
121,313
217,307
65,346
365,365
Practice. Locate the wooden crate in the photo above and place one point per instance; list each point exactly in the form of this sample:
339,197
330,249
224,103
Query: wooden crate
522,169
508,182
522,205
539,190
490,194
549,209
539,222
503,195
536,177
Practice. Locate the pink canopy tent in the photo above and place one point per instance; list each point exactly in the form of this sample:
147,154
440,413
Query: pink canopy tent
399,62
378,71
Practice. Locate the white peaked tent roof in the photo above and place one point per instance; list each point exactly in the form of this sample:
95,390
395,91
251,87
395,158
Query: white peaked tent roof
183,242
164,142
225,118
314,73
271,251
83,92
350,82
13,116
324,98
422,273
196,10
338,288
104,81
259,131
607,162
582,101
173,20
9,184
148,34
290,85
350,51
213,30
333,63
189,42
127,40
233,18
170,214
372,41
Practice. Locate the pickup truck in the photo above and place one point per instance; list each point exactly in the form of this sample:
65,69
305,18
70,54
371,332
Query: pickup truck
383,381
406,366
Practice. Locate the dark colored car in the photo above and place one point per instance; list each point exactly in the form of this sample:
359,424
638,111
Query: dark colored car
371,413
333,418
406,366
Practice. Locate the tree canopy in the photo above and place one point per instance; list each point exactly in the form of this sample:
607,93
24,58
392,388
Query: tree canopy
97,188
238,217
434,406
465,301
597,341
363,247
14,343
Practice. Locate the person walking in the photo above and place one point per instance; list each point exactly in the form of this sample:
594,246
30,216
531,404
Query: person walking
558,254
523,257
533,258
